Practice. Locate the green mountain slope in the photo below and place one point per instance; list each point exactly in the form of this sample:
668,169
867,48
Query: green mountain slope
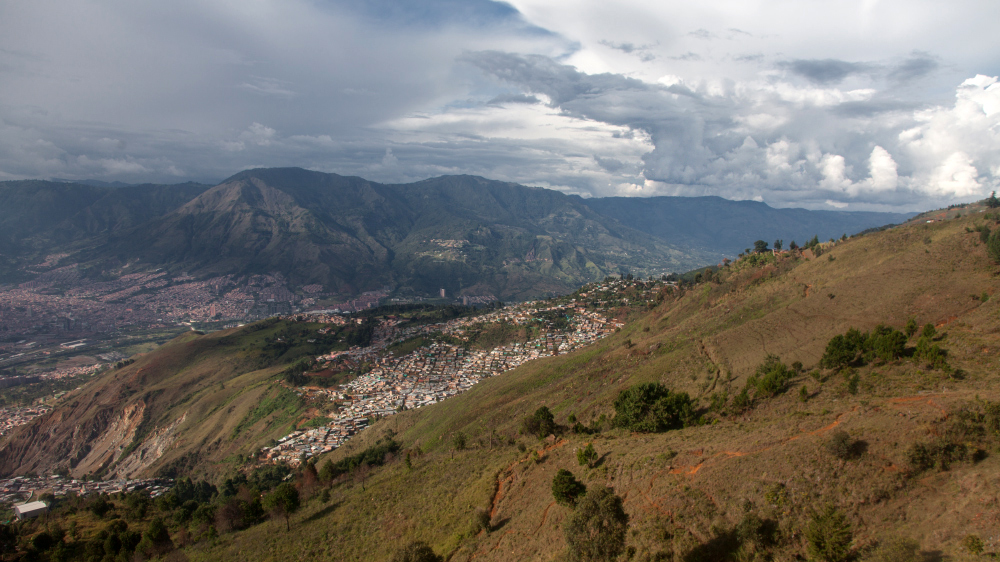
468,235
687,491
460,233
727,227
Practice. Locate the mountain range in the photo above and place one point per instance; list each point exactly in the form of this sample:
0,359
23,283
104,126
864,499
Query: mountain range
466,234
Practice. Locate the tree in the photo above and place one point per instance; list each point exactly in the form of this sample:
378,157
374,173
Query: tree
792,245
928,331
540,424
155,540
885,343
458,441
911,327
778,243
587,455
770,378
759,247
596,530
992,202
327,472
284,500
993,246
829,536
651,408
566,489
417,551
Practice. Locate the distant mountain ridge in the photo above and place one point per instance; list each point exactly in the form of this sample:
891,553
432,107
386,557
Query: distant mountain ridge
465,234
729,227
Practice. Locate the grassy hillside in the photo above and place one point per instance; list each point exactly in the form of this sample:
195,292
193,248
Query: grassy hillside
688,491
188,408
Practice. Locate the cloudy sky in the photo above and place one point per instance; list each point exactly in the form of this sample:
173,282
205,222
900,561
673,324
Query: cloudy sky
854,104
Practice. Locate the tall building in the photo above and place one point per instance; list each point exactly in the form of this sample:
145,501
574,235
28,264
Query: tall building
442,293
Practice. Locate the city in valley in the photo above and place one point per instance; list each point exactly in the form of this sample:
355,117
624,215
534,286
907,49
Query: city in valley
439,360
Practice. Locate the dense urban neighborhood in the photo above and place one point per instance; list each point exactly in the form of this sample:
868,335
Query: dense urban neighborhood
23,488
437,371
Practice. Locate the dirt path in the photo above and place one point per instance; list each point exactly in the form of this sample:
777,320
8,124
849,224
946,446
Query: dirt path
506,476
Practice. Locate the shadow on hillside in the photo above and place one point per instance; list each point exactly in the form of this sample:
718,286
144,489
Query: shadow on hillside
322,513
600,460
932,556
499,524
858,448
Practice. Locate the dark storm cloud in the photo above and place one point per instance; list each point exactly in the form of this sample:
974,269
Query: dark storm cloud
826,71
513,98
918,65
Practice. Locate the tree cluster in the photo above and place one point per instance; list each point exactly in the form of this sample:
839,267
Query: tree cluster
883,344
652,408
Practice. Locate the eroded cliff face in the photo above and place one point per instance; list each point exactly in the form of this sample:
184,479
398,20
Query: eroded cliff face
147,452
110,443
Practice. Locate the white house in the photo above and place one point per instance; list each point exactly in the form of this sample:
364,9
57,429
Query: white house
29,510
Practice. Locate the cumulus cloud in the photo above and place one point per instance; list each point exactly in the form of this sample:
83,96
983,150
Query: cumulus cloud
634,98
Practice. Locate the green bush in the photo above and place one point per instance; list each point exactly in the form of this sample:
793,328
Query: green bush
828,536
540,424
993,246
883,343
596,530
771,378
840,444
587,455
930,353
652,408
566,489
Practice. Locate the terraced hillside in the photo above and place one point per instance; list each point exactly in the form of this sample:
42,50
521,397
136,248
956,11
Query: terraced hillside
688,491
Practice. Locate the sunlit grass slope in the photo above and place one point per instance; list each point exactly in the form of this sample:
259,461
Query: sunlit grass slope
684,489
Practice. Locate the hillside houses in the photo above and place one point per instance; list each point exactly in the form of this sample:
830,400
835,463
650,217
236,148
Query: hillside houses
428,374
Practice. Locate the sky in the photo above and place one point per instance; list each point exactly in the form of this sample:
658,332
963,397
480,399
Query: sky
853,105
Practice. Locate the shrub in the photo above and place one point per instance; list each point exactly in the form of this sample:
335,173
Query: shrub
587,455
840,352
540,424
885,344
911,327
651,408
840,444
993,246
417,551
596,530
566,489
481,521
771,378
829,536
930,353
940,454
973,544
928,331
803,394
458,441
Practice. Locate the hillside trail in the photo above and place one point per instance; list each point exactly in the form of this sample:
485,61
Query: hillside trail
506,476
504,479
